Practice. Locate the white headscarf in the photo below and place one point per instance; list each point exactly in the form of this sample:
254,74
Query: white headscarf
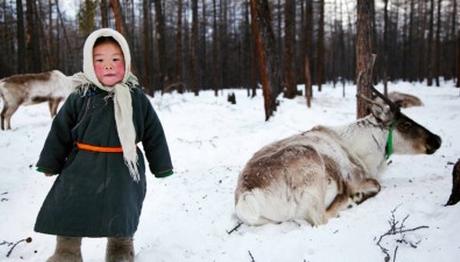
123,109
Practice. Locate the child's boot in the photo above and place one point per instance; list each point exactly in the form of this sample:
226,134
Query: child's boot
119,249
67,250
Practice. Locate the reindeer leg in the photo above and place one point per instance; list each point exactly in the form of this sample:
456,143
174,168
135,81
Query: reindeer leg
2,115
340,202
367,189
7,115
53,105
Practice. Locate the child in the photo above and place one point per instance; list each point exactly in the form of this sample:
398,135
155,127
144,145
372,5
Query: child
92,146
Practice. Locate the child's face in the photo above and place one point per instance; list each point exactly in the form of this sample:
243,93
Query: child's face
109,63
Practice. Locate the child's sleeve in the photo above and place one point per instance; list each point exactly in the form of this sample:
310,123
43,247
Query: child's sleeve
59,141
155,144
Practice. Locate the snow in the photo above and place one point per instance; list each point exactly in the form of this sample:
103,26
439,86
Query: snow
186,217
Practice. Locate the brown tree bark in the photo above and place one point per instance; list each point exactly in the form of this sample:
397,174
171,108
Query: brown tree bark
104,13
429,56
119,22
160,37
308,87
217,80
385,47
148,57
20,38
308,38
268,61
194,48
33,38
289,42
458,59
179,46
320,47
363,55
437,56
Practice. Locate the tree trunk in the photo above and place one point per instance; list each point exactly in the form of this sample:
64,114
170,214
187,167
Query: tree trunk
308,35
194,48
289,42
215,51
179,47
363,55
458,59
119,22
437,56
308,87
266,52
33,38
385,47
148,57
104,13
320,47
21,38
160,37
429,56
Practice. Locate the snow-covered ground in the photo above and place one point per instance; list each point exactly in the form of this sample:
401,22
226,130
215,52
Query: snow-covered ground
186,217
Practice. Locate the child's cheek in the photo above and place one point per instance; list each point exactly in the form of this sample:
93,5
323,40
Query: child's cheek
99,69
120,68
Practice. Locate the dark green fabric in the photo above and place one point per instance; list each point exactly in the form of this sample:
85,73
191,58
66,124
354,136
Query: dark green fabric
94,194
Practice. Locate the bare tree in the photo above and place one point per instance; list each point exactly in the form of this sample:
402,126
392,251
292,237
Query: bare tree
308,39
148,57
268,61
119,22
160,37
363,55
430,46
104,13
179,47
21,38
289,35
320,47
437,56
33,37
194,48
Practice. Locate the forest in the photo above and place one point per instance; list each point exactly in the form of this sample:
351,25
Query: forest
193,45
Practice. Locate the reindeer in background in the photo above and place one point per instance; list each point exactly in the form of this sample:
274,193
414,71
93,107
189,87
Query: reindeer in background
316,174
28,89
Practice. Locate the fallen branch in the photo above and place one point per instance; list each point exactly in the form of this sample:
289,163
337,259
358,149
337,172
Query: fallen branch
397,228
27,240
235,228
252,257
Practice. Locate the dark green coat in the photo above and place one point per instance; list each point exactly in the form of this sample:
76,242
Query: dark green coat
94,194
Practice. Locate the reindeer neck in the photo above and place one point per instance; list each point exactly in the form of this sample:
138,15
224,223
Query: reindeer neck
367,138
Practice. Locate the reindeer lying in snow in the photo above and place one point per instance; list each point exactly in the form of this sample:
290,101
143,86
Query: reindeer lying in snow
315,174
27,89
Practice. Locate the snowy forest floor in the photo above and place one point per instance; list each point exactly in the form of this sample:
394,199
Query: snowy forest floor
186,217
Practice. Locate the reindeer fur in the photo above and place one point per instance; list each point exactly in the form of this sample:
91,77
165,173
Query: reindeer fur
27,89
315,174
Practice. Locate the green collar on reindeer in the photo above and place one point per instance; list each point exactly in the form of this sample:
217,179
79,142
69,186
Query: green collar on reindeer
389,145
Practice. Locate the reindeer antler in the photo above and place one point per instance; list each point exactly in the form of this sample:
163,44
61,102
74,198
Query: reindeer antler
370,101
385,99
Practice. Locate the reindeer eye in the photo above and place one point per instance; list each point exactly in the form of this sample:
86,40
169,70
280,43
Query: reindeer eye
404,126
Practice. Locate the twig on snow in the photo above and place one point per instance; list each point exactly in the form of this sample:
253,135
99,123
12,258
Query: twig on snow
252,257
27,240
397,228
235,228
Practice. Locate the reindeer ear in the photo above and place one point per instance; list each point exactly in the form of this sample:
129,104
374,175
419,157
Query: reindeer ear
382,112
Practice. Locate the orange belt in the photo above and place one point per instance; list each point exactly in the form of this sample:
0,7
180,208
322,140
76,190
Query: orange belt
100,149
